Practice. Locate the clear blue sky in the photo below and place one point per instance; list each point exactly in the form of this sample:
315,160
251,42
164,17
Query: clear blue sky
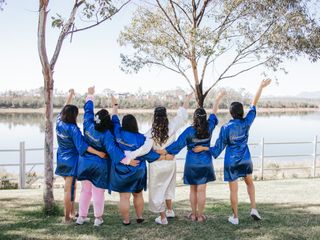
93,58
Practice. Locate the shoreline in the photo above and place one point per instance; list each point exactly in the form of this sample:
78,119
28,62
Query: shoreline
148,111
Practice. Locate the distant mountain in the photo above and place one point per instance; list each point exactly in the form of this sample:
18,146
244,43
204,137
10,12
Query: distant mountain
310,95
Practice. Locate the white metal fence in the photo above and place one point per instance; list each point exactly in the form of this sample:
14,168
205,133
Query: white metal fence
312,167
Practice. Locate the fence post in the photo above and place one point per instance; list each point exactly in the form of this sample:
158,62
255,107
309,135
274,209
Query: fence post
262,157
22,166
314,163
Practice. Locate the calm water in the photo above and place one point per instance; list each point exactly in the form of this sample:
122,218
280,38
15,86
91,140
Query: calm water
283,127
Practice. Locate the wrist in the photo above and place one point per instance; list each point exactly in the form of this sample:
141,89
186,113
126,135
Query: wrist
89,97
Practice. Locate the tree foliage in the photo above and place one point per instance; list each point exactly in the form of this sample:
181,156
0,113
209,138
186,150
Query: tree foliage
187,37
2,3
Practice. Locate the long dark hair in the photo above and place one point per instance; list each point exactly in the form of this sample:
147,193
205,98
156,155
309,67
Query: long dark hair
129,123
160,129
236,110
200,123
102,121
69,114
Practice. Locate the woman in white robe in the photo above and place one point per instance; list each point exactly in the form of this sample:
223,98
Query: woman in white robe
162,174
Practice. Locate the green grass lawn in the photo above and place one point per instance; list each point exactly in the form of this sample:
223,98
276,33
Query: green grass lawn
24,219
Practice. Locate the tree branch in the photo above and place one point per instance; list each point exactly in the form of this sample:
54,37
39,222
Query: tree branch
181,71
175,15
202,11
64,32
172,24
43,13
101,21
182,9
238,73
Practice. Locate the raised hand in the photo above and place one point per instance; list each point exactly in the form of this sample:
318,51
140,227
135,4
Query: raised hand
114,101
71,92
221,94
70,96
265,82
217,101
91,90
187,100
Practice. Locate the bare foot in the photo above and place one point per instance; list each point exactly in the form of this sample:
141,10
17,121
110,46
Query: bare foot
191,217
202,218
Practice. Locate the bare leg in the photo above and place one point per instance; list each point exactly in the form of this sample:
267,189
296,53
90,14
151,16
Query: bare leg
193,199
124,206
169,204
163,215
72,213
233,186
67,198
251,191
138,203
201,198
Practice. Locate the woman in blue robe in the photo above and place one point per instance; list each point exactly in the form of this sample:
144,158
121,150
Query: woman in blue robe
237,161
71,144
129,180
198,168
93,171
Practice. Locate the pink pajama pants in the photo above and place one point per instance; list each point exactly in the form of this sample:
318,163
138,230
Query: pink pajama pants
88,190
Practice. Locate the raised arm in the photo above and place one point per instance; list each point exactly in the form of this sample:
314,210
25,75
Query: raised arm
217,101
70,96
182,116
264,83
114,102
89,107
186,102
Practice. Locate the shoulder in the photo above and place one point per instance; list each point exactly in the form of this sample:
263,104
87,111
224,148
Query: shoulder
73,127
189,130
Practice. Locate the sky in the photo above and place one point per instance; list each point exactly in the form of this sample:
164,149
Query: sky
93,58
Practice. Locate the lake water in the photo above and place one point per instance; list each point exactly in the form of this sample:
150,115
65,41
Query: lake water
273,127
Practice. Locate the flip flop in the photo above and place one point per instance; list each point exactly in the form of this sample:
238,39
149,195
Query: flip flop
126,224
140,220
191,217
203,217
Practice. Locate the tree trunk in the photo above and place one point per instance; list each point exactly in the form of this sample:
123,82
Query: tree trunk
47,72
48,142
199,95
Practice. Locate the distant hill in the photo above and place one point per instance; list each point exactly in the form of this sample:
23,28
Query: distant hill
313,95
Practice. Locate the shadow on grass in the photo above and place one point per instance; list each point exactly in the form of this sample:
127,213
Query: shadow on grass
280,221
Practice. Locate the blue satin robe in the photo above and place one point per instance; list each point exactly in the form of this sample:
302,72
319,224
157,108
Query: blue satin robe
198,168
71,144
125,178
234,135
91,167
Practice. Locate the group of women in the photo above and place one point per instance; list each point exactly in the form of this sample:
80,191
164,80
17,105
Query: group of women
112,155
